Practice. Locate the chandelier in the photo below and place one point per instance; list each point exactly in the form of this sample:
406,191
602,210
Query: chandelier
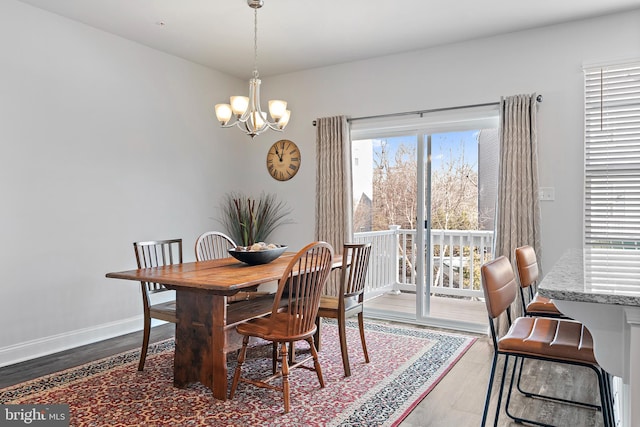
245,112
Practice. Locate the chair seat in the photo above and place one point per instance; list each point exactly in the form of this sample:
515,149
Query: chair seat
272,328
164,311
549,338
542,305
331,303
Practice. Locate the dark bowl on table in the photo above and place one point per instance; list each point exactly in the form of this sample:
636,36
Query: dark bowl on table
257,257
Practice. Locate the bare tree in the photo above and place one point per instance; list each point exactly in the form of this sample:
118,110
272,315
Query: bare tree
454,190
454,194
394,187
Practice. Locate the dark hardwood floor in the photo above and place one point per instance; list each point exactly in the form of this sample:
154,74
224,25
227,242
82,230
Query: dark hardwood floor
457,400
35,368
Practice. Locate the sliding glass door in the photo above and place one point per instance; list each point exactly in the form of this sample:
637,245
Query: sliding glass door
425,199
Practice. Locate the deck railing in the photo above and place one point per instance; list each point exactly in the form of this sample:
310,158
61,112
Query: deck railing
455,258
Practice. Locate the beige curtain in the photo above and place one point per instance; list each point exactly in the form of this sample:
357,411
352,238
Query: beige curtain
333,186
518,213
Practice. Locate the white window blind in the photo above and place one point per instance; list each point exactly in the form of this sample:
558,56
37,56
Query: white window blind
612,156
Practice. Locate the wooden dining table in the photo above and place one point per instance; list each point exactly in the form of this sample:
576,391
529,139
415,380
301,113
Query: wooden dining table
205,328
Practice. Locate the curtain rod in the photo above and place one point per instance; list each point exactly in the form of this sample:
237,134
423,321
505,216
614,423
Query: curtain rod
421,112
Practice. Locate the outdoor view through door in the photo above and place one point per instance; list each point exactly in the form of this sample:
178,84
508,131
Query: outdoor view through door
437,181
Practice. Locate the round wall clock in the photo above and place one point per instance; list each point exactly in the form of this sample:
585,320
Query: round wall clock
283,160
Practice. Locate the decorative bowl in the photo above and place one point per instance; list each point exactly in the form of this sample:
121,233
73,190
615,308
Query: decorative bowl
258,257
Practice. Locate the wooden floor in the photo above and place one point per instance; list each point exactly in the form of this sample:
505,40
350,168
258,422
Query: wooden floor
440,307
457,400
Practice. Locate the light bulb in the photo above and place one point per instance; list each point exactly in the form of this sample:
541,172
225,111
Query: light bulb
277,109
284,120
223,113
239,105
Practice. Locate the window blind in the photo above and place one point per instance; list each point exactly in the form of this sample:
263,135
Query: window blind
612,156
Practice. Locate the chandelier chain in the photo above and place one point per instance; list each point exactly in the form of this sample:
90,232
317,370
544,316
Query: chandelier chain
255,43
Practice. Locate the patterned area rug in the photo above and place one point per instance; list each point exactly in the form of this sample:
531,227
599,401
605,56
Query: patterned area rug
406,363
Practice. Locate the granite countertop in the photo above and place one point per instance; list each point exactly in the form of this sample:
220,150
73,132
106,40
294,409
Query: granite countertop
609,276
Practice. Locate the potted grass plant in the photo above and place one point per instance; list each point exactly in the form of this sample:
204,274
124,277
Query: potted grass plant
249,220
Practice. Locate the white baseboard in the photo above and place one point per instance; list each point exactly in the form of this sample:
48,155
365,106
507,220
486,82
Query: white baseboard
48,345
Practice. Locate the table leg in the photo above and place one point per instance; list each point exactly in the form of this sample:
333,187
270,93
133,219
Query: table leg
200,353
218,347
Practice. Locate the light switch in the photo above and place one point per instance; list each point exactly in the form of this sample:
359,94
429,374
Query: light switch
547,193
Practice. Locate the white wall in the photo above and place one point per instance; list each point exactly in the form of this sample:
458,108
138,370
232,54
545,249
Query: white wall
103,142
548,61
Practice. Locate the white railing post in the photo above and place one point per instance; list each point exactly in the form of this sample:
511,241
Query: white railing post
395,249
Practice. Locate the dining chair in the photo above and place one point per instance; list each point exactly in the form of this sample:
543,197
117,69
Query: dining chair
350,299
528,272
156,254
213,245
538,338
292,317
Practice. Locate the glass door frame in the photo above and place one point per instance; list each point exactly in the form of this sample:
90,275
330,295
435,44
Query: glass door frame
423,226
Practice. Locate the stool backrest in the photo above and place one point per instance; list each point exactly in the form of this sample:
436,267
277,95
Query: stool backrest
499,286
527,264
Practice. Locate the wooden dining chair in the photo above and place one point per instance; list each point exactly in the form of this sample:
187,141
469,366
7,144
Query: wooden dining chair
213,245
539,338
156,254
292,318
533,304
350,299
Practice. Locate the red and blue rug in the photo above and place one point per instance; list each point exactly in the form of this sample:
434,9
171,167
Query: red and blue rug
406,364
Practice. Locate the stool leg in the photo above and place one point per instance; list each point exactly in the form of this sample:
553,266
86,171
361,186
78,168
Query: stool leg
504,375
604,397
489,387
609,378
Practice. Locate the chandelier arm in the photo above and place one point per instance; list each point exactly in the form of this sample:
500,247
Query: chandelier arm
273,126
233,122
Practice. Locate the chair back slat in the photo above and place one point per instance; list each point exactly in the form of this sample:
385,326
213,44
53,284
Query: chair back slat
301,287
157,253
499,285
213,245
354,275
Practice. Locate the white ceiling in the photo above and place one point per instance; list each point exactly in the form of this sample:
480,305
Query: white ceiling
300,34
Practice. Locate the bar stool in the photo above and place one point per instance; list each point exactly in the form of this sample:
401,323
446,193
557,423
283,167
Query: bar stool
528,273
538,338
539,306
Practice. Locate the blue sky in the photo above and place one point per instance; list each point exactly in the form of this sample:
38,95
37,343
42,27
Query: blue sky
441,145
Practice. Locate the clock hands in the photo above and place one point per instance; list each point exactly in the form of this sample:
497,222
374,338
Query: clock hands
279,154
